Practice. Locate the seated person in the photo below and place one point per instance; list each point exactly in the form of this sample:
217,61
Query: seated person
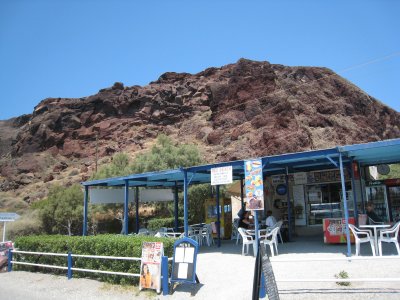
371,213
245,221
242,210
270,221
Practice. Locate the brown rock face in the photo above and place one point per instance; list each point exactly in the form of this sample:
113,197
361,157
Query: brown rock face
242,110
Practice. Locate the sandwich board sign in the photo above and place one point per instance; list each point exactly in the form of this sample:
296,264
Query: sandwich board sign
184,261
150,268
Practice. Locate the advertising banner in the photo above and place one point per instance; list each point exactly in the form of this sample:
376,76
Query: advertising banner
335,231
150,268
254,186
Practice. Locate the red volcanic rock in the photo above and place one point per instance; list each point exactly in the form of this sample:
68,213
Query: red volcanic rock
241,110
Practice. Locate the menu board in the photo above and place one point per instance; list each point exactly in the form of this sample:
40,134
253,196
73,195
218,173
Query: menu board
183,262
254,186
150,268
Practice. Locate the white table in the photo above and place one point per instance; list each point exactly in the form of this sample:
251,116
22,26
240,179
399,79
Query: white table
375,228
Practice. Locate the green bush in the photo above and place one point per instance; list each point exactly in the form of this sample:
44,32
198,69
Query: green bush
104,245
154,224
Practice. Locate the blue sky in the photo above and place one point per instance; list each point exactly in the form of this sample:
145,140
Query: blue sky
73,48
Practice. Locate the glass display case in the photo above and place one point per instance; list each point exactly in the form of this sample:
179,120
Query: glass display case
319,211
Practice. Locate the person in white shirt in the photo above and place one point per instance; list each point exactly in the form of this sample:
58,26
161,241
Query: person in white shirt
270,221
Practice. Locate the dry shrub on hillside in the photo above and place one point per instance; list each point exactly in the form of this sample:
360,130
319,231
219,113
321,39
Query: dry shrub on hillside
27,224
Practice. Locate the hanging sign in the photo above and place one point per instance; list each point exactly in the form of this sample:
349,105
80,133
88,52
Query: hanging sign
300,178
150,268
254,186
222,175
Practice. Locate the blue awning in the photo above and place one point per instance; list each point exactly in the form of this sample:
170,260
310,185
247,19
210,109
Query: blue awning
368,154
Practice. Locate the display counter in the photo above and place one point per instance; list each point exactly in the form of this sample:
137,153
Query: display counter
320,211
335,230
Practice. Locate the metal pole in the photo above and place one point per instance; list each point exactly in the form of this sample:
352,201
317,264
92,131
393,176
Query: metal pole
256,232
126,207
176,207
362,188
185,203
137,208
218,218
69,273
346,212
353,185
10,258
289,206
85,210
164,272
242,193
4,231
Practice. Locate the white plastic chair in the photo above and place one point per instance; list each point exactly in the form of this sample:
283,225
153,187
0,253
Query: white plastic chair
206,234
143,231
391,237
362,236
194,235
372,222
247,240
279,225
271,239
235,234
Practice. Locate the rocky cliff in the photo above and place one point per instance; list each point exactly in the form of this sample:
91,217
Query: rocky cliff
241,110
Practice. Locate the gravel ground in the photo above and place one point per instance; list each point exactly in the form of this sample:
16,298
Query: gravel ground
225,274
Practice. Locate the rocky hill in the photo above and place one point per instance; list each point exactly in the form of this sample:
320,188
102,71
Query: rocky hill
241,110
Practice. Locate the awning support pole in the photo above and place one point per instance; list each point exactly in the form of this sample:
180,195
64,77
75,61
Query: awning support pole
242,193
255,249
126,220
137,209
176,207
353,185
185,202
289,206
85,210
4,231
362,187
346,212
218,219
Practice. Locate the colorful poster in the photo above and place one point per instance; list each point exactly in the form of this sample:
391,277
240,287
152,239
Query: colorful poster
335,230
150,268
254,184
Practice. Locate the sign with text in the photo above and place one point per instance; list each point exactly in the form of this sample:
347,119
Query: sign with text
184,261
335,230
222,175
150,268
254,185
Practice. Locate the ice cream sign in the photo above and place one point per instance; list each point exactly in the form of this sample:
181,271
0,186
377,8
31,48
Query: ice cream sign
254,186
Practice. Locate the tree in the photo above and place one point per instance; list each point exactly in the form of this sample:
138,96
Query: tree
163,155
166,155
62,211
119,166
